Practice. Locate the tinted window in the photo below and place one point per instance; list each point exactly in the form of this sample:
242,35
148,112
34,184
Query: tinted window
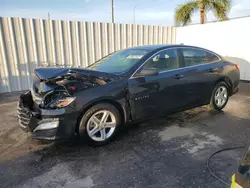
165,60
194,57
119,62
211,58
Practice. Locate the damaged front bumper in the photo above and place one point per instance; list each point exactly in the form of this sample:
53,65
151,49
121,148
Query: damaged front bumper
46,124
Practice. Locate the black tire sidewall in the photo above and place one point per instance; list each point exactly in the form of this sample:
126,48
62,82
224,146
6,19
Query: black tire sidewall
212,102
83,123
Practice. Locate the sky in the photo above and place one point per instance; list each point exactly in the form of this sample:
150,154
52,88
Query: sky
149,12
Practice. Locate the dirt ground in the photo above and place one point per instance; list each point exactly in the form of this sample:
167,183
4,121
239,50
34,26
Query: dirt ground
164,152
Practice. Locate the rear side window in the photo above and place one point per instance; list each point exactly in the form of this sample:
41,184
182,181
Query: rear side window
211,58
194,57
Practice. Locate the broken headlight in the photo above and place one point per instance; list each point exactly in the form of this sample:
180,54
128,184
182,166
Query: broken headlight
57,99
63,102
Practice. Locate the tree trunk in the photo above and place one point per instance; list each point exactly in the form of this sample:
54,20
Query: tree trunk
202,13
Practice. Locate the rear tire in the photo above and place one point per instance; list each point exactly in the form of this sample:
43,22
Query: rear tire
220,96
100,124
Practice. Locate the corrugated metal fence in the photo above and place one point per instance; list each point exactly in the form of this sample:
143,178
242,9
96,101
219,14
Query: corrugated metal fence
29,43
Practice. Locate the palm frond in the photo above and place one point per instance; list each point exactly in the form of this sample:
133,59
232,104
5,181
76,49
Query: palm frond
226,3
184,12
206,4
221,8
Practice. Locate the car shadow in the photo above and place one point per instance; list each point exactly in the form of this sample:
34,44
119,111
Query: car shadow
132,131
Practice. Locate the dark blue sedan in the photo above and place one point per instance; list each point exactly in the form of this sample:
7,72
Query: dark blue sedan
126,86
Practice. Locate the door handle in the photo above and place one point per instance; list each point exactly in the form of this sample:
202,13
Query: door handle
178,76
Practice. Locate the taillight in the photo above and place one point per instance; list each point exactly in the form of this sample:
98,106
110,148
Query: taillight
237,66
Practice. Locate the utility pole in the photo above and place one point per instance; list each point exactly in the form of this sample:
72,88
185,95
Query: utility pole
134,15
48,16
112,11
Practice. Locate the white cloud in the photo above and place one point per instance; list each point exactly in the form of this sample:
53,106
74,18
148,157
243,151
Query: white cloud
156,15
147,17
156,18
241,8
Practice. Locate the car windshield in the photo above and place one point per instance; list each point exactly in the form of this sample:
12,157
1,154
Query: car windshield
119,62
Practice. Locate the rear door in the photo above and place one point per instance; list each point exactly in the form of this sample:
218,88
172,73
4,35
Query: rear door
202,69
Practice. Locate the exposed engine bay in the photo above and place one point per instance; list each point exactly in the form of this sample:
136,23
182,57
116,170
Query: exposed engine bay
55,88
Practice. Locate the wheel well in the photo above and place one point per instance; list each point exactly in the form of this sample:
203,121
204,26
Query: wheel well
117,105
228,82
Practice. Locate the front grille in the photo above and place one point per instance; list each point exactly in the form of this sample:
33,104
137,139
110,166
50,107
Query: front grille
24,116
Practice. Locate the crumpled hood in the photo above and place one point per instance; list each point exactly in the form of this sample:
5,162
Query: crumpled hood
50,73
49,79
46,73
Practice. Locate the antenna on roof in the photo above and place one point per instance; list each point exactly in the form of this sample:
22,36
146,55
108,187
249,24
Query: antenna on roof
181,43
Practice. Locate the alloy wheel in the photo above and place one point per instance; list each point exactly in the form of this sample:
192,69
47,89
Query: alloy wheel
101,125
221,96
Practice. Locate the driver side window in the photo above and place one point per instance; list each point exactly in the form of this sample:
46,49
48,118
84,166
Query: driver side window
164,60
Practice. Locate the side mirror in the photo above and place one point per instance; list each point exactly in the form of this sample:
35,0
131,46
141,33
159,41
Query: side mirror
148,72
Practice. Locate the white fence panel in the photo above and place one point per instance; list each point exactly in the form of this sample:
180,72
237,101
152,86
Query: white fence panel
29,43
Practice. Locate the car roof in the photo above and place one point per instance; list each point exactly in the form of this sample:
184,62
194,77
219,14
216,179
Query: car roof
160,46
165,46
150,47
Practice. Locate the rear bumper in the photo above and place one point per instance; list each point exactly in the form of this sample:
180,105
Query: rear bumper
44,124
235,90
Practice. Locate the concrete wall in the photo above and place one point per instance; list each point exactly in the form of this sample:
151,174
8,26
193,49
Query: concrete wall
29,43
229,38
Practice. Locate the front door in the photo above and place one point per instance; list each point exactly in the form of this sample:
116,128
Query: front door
154,95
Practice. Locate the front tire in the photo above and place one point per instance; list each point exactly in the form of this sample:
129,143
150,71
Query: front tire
100,124
220,96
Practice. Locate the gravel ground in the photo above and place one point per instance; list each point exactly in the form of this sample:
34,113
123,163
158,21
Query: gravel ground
164,152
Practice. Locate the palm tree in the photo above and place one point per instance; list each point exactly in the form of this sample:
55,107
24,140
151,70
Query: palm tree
184,12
